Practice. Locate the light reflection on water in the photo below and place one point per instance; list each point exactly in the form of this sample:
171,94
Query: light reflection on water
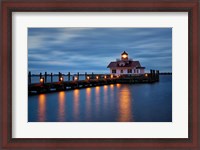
105,96
76,104
125,112
61,107
42,107
88,102
108,103
97,99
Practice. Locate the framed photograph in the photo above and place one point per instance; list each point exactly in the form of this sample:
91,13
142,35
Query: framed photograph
100,74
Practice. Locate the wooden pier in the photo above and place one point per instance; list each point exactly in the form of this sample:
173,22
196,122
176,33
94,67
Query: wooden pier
91,80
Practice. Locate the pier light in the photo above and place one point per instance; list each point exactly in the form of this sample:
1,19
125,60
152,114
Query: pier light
88,77
61,78
146,75
105,77
75,78
41,80
97,77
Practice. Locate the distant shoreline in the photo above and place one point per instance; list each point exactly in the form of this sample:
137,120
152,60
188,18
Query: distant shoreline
165,73
161,73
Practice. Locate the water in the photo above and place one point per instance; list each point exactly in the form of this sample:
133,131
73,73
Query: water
108,103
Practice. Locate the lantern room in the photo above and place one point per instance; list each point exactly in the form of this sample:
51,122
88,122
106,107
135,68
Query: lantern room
124,56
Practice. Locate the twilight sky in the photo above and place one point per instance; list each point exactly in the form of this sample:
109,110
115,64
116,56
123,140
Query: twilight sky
92,49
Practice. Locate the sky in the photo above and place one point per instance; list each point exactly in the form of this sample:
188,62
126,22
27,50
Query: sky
92,49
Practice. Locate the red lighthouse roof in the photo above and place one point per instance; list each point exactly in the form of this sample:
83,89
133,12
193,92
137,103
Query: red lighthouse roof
130,64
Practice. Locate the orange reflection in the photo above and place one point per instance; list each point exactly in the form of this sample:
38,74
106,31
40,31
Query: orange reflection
97,97
111,93
105,91
118,85
105,87
42,107
125,112
61,107
76,104
111,86
88,101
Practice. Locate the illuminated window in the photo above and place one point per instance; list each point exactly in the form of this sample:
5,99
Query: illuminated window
113,71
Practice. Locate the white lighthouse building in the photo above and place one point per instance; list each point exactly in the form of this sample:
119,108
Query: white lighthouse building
125,66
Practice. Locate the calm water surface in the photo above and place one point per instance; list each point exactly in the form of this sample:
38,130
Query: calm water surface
108,103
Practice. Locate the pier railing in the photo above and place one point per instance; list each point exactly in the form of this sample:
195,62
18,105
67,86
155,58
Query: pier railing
41,83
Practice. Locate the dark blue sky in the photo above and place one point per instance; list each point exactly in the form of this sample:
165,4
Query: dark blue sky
92,49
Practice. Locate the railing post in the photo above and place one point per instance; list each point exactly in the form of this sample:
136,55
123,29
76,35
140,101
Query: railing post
40,75
85,75
68,76
78,76
41,78
51,77
92,75
29,77
154,74
157,74
59,76
45,77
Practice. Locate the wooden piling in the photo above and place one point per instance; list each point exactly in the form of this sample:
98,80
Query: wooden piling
157,75
29,77
51,77
92,75
68,76
154,74
85,75
45,77
150,74
59,76
78,76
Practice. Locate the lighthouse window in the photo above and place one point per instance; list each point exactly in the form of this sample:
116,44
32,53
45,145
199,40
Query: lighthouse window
113,71
129,70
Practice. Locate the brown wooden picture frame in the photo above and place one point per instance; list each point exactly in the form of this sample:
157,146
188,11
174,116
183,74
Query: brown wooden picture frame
190,6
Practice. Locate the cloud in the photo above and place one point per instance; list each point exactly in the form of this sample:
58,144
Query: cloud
86,49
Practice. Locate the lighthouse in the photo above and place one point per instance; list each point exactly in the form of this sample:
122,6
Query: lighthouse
125,66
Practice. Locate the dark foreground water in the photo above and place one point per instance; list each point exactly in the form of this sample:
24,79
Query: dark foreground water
109,103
